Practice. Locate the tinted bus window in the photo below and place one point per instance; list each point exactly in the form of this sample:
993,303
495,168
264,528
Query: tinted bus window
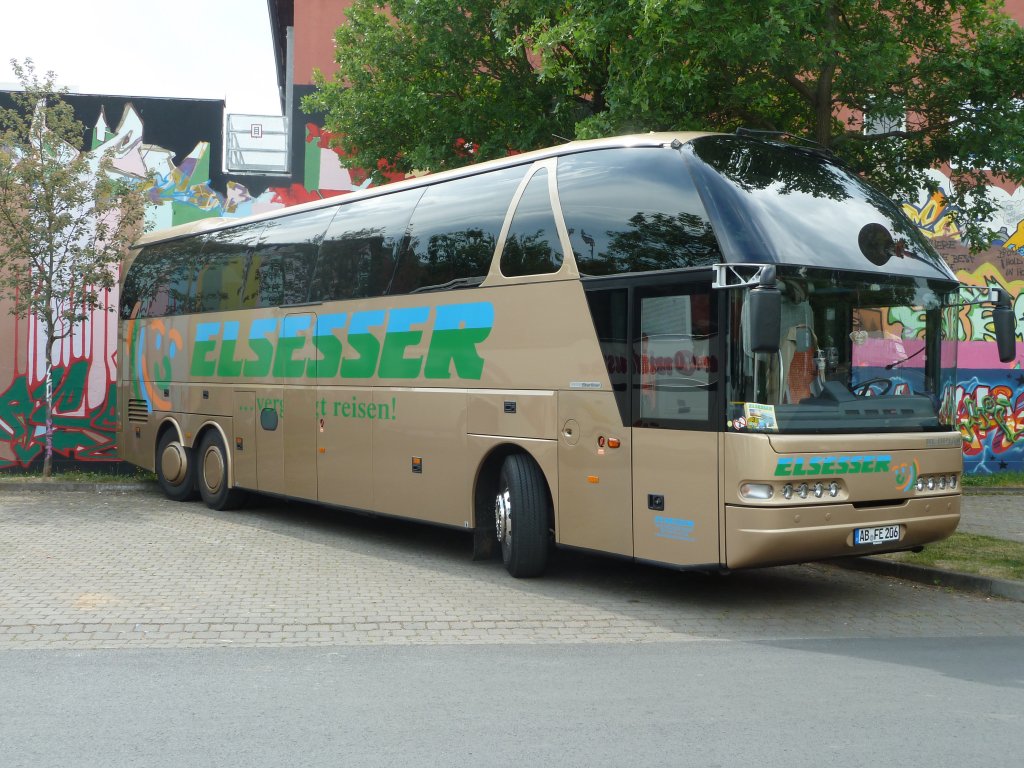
139,281
162,280
454,230
357,258
675,347
282,265
221,274
633,210
532,246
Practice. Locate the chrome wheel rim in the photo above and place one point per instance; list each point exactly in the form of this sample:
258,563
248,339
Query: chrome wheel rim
503,515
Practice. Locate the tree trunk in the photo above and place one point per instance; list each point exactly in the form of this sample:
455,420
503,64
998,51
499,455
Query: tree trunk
48,411
48,454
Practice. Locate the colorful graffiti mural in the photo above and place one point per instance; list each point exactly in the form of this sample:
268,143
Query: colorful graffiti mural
85,364
989,394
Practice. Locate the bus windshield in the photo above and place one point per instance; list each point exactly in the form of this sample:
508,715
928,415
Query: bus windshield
856,354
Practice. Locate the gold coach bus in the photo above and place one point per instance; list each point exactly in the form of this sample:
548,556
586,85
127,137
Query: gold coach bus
704,351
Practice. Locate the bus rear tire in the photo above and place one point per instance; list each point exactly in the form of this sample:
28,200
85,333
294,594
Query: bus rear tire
175,468
213,474
521,510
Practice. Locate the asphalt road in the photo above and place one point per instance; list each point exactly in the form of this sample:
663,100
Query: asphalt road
137,631
930,702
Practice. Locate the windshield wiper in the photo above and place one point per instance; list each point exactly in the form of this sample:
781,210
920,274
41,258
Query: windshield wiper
890,366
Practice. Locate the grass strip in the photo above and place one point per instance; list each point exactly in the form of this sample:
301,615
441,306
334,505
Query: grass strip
996,480
970,553
81,476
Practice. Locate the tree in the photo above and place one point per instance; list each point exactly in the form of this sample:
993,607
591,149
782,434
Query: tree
937,83
432,84
64,221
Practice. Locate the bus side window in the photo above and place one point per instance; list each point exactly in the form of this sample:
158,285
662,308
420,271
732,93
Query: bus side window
139,282
532,246
633,210
172,291
283,264
454,230
357,257
221,275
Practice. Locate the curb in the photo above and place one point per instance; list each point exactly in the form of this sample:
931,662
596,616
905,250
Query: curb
964,582
992,490
67,485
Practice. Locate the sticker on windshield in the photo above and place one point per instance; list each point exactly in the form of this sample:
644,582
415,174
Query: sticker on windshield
760,417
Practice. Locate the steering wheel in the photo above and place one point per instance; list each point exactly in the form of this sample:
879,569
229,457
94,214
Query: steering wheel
862,389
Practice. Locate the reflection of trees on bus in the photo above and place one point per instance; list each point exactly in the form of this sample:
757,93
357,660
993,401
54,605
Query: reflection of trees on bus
528,254
661,241
463,255
358,264
755,166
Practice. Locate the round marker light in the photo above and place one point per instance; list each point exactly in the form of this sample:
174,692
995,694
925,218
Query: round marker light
819,490
787,491
931,483
920,484
802,491
833,489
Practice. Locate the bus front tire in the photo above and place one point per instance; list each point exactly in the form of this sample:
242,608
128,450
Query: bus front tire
175,468
521,516
213,474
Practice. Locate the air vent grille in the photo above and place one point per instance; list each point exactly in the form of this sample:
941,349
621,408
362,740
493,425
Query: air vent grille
138,413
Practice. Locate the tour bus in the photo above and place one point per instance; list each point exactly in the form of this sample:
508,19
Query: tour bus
703,351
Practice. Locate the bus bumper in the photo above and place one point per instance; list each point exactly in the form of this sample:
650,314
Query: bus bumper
756,536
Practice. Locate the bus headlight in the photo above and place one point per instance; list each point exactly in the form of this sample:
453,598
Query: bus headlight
802,490
787,491
760,491
952,481
833,489
819,490
920,484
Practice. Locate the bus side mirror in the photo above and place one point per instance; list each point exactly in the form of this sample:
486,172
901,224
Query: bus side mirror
765,314
1005,326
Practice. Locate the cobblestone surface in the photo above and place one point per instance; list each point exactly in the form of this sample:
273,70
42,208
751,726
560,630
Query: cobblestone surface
88,570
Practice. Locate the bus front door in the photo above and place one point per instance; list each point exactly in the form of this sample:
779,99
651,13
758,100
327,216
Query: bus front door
674,385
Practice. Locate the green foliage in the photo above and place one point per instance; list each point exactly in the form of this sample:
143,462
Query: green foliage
64,221
942,81
434,85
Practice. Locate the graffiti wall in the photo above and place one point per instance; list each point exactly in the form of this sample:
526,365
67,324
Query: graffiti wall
176,147
179,182
989,394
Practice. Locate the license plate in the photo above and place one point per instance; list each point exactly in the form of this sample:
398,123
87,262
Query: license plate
879,535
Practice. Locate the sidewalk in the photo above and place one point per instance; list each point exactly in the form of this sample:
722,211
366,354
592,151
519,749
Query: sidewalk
996,512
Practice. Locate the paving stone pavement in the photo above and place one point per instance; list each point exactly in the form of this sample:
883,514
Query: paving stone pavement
110,570
994,513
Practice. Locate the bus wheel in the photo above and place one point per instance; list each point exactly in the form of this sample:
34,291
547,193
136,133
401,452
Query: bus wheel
213,474
521,516
175,468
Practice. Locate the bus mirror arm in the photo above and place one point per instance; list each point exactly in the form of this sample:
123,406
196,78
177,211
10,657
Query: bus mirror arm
765,313
1005,325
